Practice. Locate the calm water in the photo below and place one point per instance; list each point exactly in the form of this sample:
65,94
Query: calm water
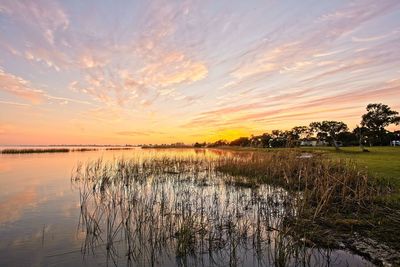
40,218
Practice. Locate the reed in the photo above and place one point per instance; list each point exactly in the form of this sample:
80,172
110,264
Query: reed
33,150
216,209
326,185
44,150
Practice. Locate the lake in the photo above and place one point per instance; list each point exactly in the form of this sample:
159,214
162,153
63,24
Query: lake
168,208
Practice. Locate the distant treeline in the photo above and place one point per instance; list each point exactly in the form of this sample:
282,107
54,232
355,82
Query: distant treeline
370,132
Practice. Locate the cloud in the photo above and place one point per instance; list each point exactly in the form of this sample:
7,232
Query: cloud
150,66
14,103
326,54
173,68
142,85
369,39
89,60
267,61
66,100
47,17
300,52
19,87
294,106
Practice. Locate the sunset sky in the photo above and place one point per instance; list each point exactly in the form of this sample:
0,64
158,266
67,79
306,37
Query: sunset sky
117,72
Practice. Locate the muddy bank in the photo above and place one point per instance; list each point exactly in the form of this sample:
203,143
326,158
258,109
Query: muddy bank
330,235
376,252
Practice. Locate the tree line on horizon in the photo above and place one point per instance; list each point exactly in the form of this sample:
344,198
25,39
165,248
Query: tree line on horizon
371,132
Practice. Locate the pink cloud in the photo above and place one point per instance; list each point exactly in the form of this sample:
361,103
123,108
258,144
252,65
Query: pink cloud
17,86
47,16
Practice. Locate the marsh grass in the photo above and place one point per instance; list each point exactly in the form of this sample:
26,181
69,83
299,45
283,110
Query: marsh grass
336,197
54,150
34,150
203,210
327,185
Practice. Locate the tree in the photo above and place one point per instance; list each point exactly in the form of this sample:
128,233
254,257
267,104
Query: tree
197,145
377,118
329,130
279,138
348,138
218,143
300,132
297,133
241,141
361,134
260,140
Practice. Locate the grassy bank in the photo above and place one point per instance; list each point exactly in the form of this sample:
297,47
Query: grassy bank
346,192
381,162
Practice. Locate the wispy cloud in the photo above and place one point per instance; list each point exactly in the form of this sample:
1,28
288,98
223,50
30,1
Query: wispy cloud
17,86
46,16
14,103
172,69
370,38
268,110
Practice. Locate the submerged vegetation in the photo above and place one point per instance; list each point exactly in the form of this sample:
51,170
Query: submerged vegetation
272,208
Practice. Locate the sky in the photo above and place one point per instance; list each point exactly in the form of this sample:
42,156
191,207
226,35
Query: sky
145,72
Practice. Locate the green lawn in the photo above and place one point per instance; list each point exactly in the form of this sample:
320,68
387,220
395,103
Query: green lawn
382,162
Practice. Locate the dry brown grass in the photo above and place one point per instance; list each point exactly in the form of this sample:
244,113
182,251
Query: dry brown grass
327,185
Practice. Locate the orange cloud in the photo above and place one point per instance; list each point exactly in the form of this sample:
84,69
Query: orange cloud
173,68
17,86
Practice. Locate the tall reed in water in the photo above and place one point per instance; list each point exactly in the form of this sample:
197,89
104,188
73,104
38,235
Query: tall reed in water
221,207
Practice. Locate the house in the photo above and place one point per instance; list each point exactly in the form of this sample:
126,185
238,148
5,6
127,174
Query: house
395,143
313,142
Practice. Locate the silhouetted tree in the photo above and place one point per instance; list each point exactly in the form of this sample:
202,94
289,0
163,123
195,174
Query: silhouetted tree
218,143
197,145
329,130
295,134
348,138
241,141
260,140
377,118
279,138
299,132
361,134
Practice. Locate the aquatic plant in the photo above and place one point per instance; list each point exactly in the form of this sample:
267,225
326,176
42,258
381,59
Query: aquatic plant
191,207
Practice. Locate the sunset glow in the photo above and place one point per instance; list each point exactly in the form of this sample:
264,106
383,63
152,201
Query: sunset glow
140,72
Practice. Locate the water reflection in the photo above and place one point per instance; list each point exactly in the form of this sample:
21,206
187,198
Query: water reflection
40,211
